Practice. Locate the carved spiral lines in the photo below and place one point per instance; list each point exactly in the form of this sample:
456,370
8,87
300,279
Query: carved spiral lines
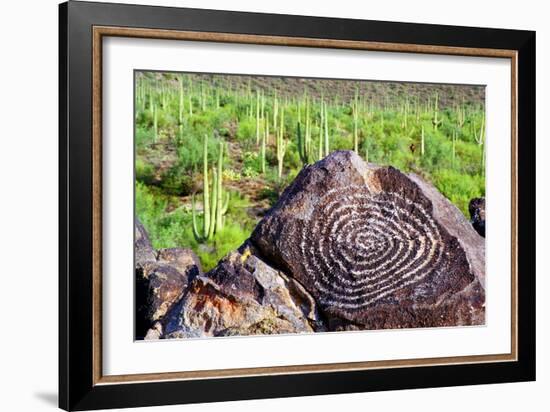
359,247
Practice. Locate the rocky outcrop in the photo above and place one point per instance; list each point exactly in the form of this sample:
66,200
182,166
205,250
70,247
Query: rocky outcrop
243,296
161,280
477,214
375,248
348,246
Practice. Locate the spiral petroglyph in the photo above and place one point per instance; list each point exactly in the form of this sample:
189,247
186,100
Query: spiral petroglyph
360,247
376,248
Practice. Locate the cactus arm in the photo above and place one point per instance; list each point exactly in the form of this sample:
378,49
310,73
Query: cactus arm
213,206
181,100
327,150
264,139
281,146
422,142
257,116
301,145
454,148
206,188
225,205
308,131
321,134
196,233
156,123
219,194
355,122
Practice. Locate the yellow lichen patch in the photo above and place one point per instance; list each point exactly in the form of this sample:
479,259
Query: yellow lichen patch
246,254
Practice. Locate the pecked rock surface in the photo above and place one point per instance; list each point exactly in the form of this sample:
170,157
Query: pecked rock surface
375,248
243,296
161,280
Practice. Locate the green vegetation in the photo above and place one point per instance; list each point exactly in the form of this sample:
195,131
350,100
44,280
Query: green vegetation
214,152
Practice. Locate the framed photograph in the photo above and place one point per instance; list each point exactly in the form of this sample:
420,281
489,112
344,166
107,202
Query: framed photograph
256,205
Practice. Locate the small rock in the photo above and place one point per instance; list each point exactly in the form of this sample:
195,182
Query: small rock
161,281
143,251
158,287
477,214
155,332
183,260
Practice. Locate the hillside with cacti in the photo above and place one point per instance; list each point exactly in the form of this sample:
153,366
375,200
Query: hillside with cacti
215,152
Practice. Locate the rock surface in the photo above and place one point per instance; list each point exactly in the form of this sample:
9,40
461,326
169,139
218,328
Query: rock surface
477,214
160,282
143,251
242,296
375,248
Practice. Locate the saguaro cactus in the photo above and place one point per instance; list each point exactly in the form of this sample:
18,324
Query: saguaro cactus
181,108
454,148
480,139
304,142
327,149
460,115
257,116
405,114
155,123
222,197
264,142
355,111
479,136
190,96
321,125
203,235
436,121
422,142
213,213
281,145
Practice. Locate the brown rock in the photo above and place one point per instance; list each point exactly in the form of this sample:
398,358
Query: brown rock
160,284
158,287
183,260
242,296
143,251
375,248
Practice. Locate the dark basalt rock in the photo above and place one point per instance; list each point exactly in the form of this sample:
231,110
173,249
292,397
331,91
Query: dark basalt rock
375,248
160,282
158,287
477,214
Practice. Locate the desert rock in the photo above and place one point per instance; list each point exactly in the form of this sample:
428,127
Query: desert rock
375,248
477,214
160,282
243,296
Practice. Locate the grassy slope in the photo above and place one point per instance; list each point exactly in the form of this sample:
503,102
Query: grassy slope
391,117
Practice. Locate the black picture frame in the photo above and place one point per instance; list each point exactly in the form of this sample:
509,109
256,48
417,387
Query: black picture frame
77,390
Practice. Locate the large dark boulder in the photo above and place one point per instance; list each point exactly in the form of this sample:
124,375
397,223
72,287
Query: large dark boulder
375,248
